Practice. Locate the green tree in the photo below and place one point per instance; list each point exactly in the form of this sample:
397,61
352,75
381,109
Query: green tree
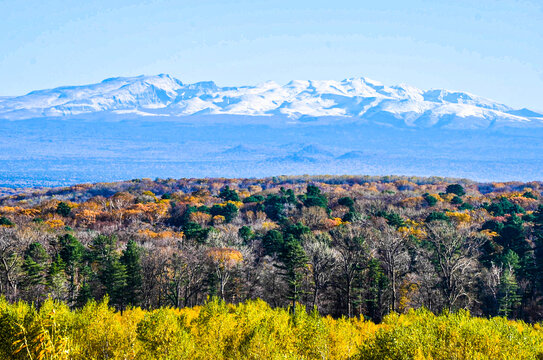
504,207
393,219
314,197
466,206
228,194
71,252
253,198
273,242
4,221
293,263
84,295
457,200
57,281
35,269
131,260
377,285
229,211
113,277
508,297
437,216
456,189
111,272
538,240
296,230
193,231
346,201
63,209
246,234
430,200
274,207
513,237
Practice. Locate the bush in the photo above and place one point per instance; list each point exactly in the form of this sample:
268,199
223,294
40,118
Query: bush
423,335
253,198
437,216
4,221
430,200
457,200
253,330
456,189
63,209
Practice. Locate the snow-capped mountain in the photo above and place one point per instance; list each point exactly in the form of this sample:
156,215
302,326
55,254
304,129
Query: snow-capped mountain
357,98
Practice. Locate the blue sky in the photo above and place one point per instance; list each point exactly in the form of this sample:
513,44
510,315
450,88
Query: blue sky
490,48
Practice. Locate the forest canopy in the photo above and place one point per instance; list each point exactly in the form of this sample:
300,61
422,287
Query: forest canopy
342,245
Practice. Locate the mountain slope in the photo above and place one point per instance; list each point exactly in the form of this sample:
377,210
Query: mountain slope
356,98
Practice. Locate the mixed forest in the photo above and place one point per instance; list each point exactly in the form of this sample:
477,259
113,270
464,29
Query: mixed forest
309,266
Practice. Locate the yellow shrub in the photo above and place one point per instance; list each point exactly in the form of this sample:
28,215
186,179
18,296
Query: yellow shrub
55,223
253,330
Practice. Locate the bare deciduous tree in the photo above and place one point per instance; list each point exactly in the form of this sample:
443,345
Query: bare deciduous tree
323,261
391,248
454,252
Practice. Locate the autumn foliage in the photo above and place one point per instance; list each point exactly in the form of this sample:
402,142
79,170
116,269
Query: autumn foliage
254,330
346,245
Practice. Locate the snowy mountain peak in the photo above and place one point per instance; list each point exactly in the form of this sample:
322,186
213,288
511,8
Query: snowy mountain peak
356,98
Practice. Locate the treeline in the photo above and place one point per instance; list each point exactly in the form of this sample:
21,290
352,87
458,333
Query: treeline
345,246
254,330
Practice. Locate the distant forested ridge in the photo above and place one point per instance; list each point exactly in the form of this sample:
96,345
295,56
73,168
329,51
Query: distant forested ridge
342,245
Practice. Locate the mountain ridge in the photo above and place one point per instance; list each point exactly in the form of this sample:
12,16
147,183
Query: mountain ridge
298,100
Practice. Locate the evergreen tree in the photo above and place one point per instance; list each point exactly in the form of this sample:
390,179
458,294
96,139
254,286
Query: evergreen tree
102,248
35,262
430,200
437,216
71,253
114,279
4,221
131,260
393,219
274,206
313,197
457,200
293,262
273,242
508,297
288,196
228,194
513,237
229,211
346,201
34,267
63,209
84,294
246,234
377,284
194,231
456,189
57,280
504,207
112,273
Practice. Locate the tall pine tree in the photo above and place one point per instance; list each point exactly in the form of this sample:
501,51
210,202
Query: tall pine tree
131,260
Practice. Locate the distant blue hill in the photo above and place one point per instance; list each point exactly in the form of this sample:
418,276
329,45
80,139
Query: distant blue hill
294,158
351,155
314,150
239,150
